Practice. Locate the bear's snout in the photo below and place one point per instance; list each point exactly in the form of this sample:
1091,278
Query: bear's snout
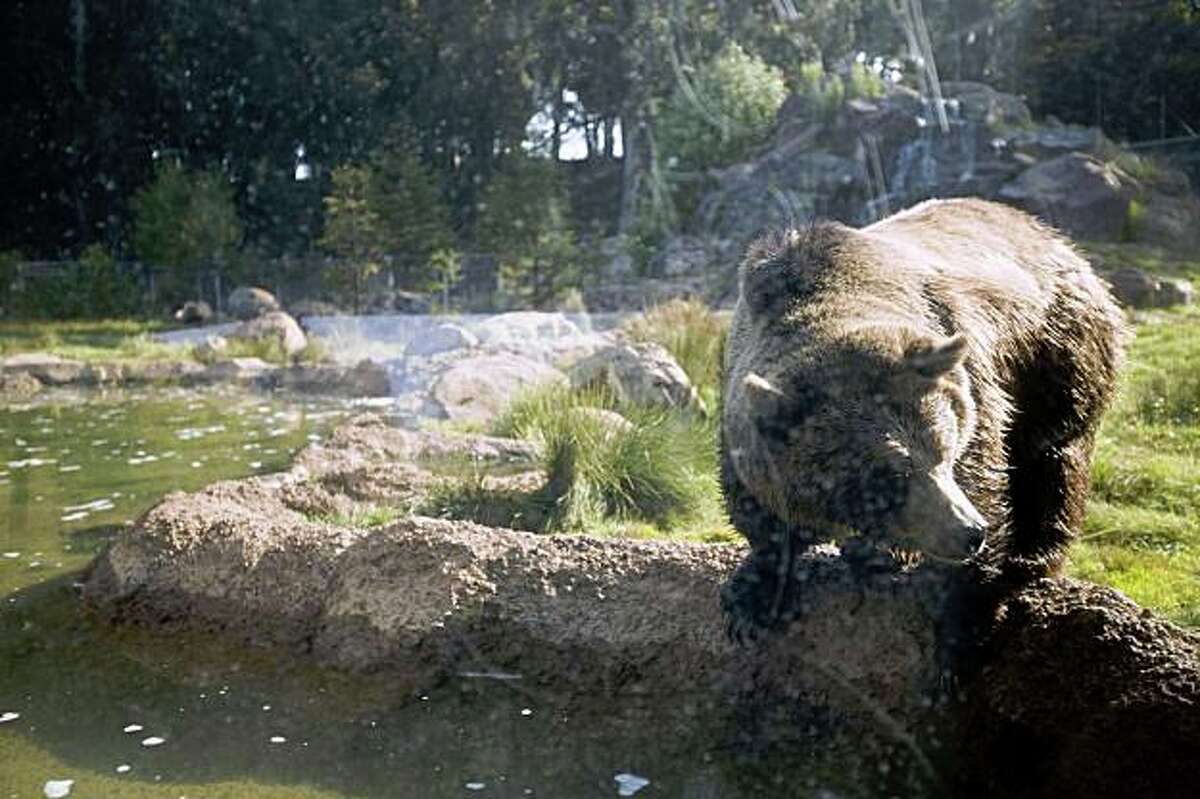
941,520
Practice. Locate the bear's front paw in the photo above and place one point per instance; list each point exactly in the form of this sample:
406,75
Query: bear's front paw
749,601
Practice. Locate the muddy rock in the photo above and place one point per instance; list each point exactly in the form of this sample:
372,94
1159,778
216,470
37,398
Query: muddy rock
16,386
1072,691
50,370
479,388
640,373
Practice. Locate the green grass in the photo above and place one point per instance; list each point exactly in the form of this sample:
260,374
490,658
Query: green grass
90,341
1142,532
647,472
362,516
128,340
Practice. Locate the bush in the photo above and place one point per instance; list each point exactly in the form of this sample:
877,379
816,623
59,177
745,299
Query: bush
656,467
523,220
723,113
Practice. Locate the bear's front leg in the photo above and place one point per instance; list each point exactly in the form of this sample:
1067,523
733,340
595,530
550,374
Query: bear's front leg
760,595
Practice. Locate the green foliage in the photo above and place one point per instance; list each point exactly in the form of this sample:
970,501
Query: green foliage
354,233
864,83
644,465
413,220
93,287
523,220
186,221
723,112
446,266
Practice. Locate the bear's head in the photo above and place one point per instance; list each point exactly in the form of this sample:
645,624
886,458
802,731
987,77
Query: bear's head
861,435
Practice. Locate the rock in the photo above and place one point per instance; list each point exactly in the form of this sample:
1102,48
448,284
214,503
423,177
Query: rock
519,328
248,302
365,379
443,338
1078,686
194,312
277,325
640,373
238,370
479,388
1135,288
15,386
213,348
1132,287
48,369
1172,292
1169,210
1077,193
611,422
158,373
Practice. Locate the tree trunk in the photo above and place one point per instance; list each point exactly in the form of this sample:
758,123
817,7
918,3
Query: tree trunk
631,170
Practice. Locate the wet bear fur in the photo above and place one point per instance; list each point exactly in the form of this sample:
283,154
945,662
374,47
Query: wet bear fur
932,382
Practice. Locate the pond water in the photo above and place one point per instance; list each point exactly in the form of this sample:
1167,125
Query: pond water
96,711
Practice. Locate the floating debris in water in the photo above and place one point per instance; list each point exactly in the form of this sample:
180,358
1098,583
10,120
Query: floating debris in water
278,739
56,789
124,768
629,784
526,711
12,555
30,463
74,517
104,503
153,740
71,468
475,786
143,459
133,728
7,717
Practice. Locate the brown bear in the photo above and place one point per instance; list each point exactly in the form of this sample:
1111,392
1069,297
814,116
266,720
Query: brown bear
932,381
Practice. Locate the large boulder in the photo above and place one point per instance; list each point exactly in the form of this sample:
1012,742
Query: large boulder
479,388
275,325
642,373
519,328
247,302
1077,193
443,338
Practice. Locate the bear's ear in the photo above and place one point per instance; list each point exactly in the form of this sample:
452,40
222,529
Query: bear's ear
935,358
763,397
